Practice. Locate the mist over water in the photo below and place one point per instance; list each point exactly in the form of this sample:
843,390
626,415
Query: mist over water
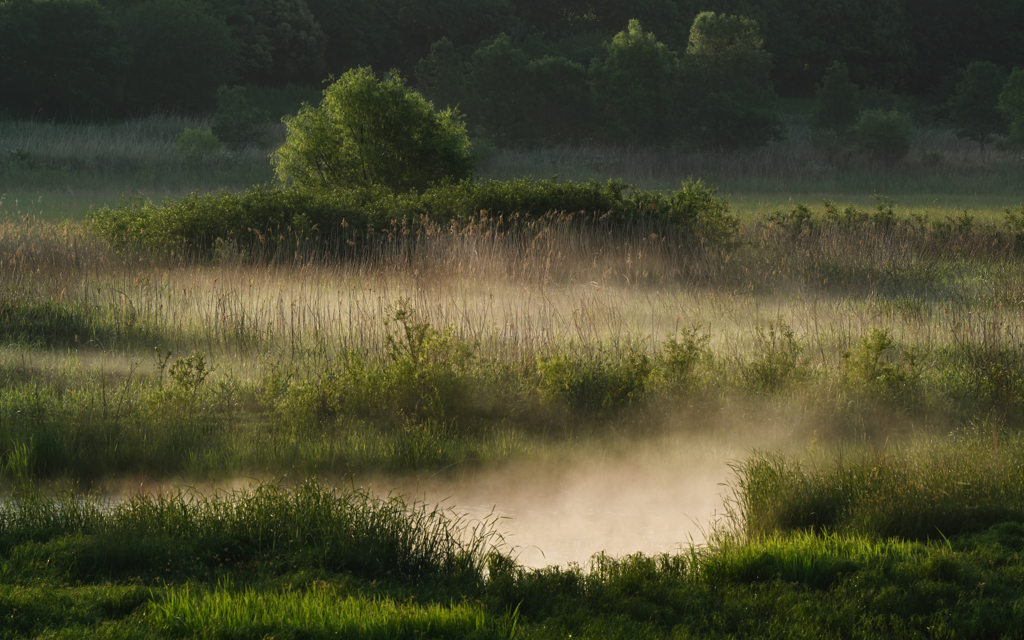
557,513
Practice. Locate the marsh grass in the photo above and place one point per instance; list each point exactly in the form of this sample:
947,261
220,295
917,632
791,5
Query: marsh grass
437,344
122,157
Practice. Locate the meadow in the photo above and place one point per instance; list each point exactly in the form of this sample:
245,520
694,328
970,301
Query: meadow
857,360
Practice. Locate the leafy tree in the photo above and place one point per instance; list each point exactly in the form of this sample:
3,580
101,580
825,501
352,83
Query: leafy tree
60,58
727,84
499,80
1011,106
181,55
836,104
236,123
277,40
358,33
884,134
370,132
562,109
632,86
973,108
441,76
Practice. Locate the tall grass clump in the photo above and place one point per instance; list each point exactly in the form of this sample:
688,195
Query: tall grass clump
920,490
188,535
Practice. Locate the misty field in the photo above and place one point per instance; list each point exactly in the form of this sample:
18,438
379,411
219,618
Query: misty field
860,365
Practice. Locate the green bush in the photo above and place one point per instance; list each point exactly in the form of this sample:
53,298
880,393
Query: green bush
599,380
885,135
197,145
776,362
876,367
369,132
266,220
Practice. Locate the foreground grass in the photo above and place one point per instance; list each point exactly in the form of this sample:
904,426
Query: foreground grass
315,562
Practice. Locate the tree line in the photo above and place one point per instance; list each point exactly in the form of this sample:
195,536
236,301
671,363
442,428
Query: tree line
513,66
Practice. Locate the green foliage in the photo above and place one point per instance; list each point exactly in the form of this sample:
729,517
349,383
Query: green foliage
197,145
441,76
266,220
180,55
875,367
776,360
236,123
633,86
678,365
730,103
836,105
602,379
61,59
500,114
562,111
368,132
1011,107
885,135
973,109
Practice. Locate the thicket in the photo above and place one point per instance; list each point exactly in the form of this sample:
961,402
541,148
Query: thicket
273,222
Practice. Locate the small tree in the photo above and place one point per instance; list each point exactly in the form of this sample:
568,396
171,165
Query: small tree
884,134
1011,106
836,104
373,132
972,109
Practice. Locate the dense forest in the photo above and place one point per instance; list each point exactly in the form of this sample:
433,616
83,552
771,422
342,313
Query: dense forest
706,71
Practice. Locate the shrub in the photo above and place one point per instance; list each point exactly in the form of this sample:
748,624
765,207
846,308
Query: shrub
776,361
236,123
885,135
197,145
601,380
677,365
369,132
873,369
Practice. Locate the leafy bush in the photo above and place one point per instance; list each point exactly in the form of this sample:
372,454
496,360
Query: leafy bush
266,219
776,362
236,123
600,380
873,368
197,145
677,365
368,132
885,135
